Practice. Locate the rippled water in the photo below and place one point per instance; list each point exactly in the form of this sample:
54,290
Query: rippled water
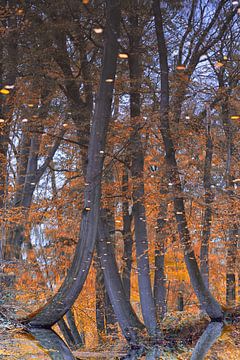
217,342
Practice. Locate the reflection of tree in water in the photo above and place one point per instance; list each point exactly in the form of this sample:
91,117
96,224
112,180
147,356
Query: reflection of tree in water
55,346
208,338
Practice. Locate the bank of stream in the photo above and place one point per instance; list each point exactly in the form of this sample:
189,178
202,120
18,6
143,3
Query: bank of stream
183,339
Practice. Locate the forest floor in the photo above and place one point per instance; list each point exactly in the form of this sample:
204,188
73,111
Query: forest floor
181,332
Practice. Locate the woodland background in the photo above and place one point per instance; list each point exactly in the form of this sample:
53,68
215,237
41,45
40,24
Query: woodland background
175,96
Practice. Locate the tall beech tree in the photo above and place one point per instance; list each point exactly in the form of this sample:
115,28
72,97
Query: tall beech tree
207,301
207,217
72,285
137,170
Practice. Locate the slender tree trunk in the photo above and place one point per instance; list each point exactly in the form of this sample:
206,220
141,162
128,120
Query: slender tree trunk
231,266
54,345
73,283
78,340
204,253
137,169
159,276
127,237
111,321
66,333
208,338
100,290
105,311
105,317
231,253
128,321
110,318
205,298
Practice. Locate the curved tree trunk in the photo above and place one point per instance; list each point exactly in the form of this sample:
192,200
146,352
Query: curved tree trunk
137,169
73,283
54,345
128,321
206,299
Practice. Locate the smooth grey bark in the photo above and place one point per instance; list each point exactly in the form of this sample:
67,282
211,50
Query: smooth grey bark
208,338
127,237
128,321
110,318
231,265
111,321
159,275
50,341
204,251
66,333
74,281
233,233
206,299
22,164
105,317
99,288
137,170
78,340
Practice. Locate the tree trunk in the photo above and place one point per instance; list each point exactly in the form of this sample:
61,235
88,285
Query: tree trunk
231,267
231,254
137,170
66,333
205,298
159,276
110,318
78,340
100,290
73,283
208,338
127,237
54,345
128,321
204,253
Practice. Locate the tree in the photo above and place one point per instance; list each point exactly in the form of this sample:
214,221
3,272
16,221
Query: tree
206,299
65,297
